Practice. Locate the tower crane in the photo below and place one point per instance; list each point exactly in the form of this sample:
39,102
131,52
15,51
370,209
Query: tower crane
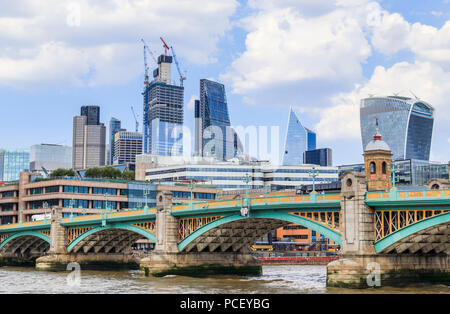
182,77
146,49
135,118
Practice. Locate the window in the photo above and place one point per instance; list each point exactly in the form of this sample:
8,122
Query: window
373,169
52,189
384,167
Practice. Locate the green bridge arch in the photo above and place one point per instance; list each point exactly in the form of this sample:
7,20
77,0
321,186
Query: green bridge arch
410,230
132,228
315,226
25,233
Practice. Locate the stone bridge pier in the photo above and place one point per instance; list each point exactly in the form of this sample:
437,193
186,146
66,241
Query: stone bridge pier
167,259
359,265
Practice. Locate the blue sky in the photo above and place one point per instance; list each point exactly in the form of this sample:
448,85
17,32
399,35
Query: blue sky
319,57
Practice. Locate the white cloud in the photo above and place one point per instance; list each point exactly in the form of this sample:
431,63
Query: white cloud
282,48
98,42
191,103
426,80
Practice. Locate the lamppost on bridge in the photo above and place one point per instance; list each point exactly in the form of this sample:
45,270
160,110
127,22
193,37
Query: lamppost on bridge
146,194
245,208
313,174
71,203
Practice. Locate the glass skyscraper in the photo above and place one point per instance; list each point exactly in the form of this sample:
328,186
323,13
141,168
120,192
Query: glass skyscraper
214,135
406,125
321,157
12,163
298,140
114,127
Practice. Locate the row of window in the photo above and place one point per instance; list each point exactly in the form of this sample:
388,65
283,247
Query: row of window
197,195
8,194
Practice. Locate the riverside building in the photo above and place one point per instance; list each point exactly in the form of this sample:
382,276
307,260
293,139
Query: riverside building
79,196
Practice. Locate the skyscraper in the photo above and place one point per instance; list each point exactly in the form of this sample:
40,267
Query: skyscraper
12,162
114,127
127,145
163,112
298,140
320,156
406,125
89,143
213,135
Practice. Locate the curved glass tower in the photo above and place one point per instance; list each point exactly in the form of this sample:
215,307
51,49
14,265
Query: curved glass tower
406,125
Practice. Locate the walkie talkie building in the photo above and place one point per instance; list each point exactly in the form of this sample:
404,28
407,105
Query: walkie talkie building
406,125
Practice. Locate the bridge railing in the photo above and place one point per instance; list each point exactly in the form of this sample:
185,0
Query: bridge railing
260,201
25,224
109,215
407,195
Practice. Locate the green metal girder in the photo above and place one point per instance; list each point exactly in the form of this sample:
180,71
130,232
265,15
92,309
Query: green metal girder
132,228
327,232
25,233
409,230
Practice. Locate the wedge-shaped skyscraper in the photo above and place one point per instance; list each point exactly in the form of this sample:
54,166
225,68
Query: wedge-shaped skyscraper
298,140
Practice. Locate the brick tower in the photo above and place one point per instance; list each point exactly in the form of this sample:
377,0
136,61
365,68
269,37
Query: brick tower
378,163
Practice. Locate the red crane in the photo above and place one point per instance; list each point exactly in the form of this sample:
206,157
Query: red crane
166,47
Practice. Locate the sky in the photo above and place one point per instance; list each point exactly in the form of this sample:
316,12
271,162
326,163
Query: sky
318,56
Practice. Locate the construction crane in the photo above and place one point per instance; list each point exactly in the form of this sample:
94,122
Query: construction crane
182,77
135,118
166,47
146,49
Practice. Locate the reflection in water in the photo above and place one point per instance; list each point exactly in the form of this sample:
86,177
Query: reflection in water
275,279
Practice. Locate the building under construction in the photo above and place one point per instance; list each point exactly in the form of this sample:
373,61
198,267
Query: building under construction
163,107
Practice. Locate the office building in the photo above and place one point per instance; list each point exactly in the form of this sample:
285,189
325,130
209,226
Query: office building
231,175
126,146
82,196
214,136
89,143
45,158
12,162
114,127
298,140
163,112
406,125
321,157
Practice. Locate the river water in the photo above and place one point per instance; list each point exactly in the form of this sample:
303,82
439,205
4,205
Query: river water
274,280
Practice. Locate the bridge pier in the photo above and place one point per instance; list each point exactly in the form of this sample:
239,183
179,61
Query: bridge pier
166,258
359,266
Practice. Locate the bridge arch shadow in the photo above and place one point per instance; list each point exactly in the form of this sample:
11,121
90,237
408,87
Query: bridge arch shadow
431,235
116,238
233,233
26,243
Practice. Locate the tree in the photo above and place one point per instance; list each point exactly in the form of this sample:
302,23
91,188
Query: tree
128,175
60,172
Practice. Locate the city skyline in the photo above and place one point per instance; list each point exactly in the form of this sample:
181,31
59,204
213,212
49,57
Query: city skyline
381,65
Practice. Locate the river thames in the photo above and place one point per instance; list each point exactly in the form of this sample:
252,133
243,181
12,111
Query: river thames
296,279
